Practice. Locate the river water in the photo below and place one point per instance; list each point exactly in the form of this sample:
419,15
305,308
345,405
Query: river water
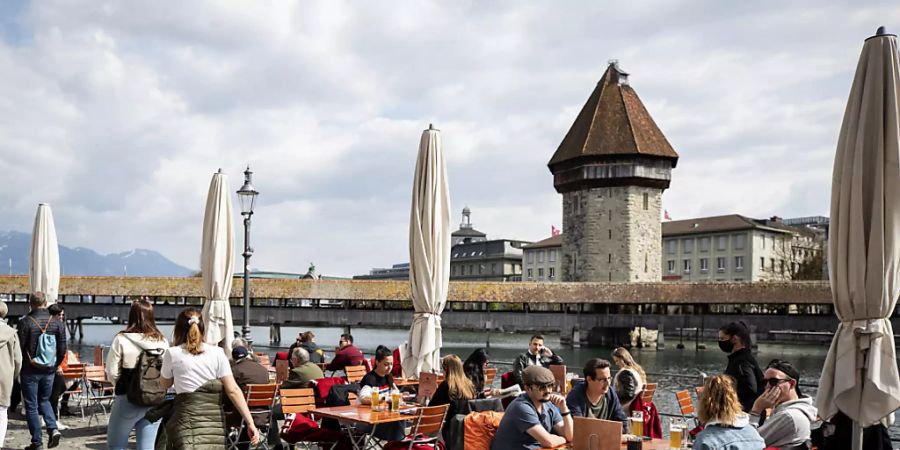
671,369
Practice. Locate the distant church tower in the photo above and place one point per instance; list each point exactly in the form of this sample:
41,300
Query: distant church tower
466,234
611,169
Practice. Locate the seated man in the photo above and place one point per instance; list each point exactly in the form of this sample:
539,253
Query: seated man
536,418
345,354
246,371
793,413
537,355
303,372
593,397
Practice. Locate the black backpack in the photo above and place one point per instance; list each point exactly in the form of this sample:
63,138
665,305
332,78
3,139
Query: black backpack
144,387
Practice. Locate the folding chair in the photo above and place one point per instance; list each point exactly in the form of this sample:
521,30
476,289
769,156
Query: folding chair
686,405
649,390
299,402
489,374
260,400
100,392
425,430
354,373
75,372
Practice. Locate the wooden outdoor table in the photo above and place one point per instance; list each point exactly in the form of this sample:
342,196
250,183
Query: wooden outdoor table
349,416
401,382
362,414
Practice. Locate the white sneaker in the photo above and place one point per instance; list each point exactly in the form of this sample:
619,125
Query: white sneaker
61,426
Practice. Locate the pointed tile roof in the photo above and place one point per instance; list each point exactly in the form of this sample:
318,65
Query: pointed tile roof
614,123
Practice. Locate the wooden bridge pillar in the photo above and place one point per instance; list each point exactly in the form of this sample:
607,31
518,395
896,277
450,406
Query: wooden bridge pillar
660,338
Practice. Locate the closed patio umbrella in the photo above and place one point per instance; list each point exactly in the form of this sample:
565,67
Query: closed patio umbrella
217,262
429,255
43,262
860,376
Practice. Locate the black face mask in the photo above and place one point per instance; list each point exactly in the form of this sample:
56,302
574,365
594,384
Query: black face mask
726,346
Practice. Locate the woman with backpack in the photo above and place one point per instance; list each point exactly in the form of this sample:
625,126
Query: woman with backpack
140,337
201,375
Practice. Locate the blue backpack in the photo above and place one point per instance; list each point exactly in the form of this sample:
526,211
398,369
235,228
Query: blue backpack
45,351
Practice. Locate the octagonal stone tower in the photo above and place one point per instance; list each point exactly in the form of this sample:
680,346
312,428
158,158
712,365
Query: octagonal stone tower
611,169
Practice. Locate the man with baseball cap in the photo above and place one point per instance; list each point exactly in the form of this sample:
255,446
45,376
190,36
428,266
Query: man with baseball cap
536,418
790,423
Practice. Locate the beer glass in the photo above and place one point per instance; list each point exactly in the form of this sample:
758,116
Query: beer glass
676,433
637,423
376,400
395,400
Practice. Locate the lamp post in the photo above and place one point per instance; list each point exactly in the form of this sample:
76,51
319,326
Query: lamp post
247,195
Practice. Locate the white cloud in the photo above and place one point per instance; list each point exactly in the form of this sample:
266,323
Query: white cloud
118,113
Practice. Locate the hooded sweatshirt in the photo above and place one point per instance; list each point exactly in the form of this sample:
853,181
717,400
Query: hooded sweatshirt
789,424
10,361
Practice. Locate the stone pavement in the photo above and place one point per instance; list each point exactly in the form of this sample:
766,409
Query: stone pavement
79,435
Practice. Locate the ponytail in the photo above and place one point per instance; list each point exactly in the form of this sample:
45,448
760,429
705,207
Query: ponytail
194,343
189,331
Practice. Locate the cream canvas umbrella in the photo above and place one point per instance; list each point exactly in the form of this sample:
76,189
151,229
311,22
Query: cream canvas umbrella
43,262
429,256
860,375
217,262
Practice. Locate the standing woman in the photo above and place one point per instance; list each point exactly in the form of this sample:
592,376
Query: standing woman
630,379
140,334
201,374
734,339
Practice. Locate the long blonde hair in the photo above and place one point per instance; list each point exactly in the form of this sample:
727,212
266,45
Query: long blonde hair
719,401
461,388
623,354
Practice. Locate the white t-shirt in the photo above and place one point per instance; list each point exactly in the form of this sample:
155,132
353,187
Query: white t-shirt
192,371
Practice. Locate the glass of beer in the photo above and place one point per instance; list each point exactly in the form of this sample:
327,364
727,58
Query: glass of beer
376,400
395,400
676,433
637,423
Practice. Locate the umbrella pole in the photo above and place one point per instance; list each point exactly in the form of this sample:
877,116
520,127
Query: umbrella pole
857,436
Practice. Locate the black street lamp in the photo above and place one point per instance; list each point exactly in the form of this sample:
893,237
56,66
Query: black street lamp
247,195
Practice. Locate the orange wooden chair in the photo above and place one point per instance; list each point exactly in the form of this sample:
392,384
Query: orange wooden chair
649,390
489,374
354,373
686,406
425,429
260,400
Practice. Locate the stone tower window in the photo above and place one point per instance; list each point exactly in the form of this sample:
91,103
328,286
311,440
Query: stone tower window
646,201
610,233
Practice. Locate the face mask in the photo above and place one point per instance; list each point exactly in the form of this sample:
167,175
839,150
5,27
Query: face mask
726,346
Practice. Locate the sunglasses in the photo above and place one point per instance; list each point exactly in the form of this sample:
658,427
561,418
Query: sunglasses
772,382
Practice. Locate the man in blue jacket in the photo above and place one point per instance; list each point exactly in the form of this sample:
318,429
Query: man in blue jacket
37,379
593,397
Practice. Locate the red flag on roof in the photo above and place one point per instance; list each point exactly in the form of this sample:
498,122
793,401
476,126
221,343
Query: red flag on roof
666,215
554,231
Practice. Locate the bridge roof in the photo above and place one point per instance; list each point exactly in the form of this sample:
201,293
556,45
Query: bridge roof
795,292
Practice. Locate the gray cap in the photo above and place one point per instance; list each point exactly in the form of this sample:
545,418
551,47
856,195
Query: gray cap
537,375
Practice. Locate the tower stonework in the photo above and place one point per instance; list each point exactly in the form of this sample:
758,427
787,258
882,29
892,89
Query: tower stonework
611,169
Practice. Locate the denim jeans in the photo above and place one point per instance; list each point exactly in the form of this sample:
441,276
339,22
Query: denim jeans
36,389
126,416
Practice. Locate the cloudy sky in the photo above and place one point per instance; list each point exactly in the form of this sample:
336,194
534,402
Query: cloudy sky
117,113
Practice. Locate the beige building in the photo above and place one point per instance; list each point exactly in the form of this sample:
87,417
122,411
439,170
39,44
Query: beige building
722,248
734,248
611,169
541,260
